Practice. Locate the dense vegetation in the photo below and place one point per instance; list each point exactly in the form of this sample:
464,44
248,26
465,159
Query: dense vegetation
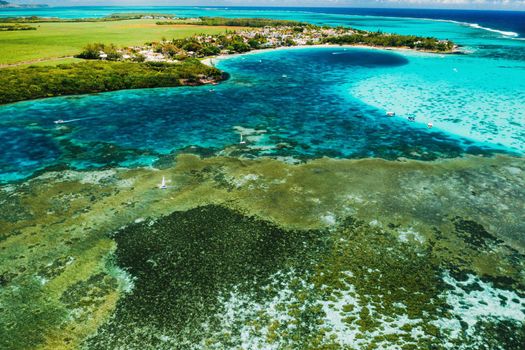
17,84
110,18
13,27
238,22
232,43
392,40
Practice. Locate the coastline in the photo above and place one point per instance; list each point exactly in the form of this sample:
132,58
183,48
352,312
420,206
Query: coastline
208,60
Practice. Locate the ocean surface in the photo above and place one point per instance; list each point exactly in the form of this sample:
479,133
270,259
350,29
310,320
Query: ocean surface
295,104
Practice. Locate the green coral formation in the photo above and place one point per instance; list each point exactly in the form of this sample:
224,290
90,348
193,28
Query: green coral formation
329,254
182,261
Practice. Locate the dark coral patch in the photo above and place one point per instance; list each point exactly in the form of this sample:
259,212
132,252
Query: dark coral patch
475,234
182,262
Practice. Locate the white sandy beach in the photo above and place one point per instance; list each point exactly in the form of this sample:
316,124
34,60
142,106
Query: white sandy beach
209,60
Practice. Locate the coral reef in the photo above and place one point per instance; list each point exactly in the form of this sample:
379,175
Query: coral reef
239,253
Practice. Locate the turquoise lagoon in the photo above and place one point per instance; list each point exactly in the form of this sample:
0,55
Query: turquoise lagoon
311,102
298,104
361,254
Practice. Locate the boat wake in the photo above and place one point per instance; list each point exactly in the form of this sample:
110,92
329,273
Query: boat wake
60,121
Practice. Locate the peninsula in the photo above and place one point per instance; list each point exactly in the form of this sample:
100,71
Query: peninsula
260,34
176,62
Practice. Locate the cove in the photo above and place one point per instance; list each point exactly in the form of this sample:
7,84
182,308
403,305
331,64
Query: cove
293,104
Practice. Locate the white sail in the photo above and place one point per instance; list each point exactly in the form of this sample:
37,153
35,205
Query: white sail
163,183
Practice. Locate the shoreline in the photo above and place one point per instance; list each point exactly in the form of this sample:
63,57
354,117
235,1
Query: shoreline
207,60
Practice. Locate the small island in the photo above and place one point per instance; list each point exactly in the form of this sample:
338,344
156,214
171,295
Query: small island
177,62
7,4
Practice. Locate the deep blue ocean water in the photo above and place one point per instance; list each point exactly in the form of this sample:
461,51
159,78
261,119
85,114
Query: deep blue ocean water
507,21
292,104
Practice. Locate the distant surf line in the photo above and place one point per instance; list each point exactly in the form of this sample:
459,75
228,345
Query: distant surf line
467,24
477,26
471,25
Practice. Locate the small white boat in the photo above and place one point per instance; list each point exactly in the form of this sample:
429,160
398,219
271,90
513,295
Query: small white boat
163,185
430,125
390,114
284,76
60,121
242,142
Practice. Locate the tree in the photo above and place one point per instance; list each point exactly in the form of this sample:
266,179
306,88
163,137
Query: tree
91,51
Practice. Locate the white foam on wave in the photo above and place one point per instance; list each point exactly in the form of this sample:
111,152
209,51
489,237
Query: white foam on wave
467,24
477,26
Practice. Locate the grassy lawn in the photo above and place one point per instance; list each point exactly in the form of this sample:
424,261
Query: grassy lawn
55,40
50,62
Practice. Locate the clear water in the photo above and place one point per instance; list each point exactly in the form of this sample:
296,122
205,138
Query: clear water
303,103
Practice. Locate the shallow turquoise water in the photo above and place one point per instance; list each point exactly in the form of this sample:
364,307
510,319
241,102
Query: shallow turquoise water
299,104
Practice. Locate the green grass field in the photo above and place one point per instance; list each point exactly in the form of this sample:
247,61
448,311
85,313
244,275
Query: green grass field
55,40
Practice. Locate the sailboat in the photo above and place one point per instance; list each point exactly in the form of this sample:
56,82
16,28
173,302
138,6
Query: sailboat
163,185
242,142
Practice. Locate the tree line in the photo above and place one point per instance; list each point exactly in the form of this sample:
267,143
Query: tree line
236,22
15,27
17,84
392,40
